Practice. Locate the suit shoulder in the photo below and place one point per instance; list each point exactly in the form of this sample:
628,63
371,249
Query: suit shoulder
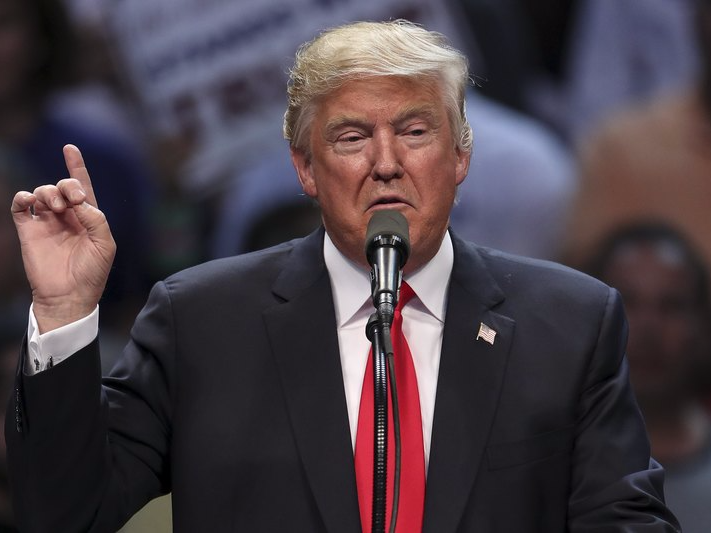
259,267
557,305
542,279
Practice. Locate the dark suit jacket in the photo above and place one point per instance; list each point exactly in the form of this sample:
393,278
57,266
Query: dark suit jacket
231,396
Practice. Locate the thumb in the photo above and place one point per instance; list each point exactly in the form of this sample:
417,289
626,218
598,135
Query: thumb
94,221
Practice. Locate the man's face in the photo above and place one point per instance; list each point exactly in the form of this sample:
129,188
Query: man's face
383,143
666,326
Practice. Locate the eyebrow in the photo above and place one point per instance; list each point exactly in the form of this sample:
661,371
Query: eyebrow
338,122
426,112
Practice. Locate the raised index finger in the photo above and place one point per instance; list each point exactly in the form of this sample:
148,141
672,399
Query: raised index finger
77,170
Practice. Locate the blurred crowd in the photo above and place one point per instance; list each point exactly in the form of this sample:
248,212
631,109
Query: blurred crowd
592,147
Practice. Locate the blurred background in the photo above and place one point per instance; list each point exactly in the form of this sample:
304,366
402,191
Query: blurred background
592,147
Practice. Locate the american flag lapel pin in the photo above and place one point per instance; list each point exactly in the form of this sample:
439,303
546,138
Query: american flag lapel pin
486,333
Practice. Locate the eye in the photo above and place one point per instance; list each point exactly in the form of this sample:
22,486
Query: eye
350,137
416,129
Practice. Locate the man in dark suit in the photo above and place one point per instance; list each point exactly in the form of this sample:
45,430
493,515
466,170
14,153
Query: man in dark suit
239,390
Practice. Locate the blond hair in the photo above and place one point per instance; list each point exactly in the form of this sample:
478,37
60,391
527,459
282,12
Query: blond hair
367,49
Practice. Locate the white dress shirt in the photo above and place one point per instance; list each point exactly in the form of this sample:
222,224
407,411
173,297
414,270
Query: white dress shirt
423,323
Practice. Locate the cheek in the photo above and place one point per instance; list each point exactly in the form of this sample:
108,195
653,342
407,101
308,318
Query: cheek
341,181
439,195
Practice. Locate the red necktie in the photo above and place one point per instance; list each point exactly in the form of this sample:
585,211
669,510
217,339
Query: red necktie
412,474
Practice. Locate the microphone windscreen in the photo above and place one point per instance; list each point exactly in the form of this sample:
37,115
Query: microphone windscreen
388,227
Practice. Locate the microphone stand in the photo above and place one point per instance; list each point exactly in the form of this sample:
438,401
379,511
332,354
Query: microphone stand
378,332
375,333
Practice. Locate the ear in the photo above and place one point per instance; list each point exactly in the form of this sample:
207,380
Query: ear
304,170
462,164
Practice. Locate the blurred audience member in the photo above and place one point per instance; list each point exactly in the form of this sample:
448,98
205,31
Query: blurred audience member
520,186
101,95
569,62
652,161
265,206
37,47
664,286
624,51
524,45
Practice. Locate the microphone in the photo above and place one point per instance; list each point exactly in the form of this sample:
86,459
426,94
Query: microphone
387,247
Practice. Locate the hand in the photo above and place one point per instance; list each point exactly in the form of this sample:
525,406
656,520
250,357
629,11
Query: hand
67,247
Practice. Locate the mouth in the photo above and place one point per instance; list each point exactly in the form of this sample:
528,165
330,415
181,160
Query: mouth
389,202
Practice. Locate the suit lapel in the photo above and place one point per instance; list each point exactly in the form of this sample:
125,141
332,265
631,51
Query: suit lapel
470,378
302,331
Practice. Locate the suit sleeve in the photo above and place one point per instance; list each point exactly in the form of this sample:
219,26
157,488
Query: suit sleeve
615,486
83,454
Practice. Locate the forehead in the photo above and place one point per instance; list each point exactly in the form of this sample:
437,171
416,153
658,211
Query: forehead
385,96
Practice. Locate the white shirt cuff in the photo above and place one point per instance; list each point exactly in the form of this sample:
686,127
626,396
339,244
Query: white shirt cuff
51,348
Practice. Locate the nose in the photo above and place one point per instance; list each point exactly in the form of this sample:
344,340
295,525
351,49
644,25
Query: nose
387,162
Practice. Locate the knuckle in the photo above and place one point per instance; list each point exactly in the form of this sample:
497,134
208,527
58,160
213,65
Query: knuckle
68,184
45,190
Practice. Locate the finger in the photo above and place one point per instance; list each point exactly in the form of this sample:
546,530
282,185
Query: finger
72,191
50,197
94,221
21,206
77,170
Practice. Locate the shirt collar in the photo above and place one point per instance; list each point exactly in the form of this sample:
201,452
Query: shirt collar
350,283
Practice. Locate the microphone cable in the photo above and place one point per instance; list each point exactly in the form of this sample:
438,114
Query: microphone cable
396,434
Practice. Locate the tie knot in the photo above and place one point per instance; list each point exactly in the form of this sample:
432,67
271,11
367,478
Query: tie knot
406,294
